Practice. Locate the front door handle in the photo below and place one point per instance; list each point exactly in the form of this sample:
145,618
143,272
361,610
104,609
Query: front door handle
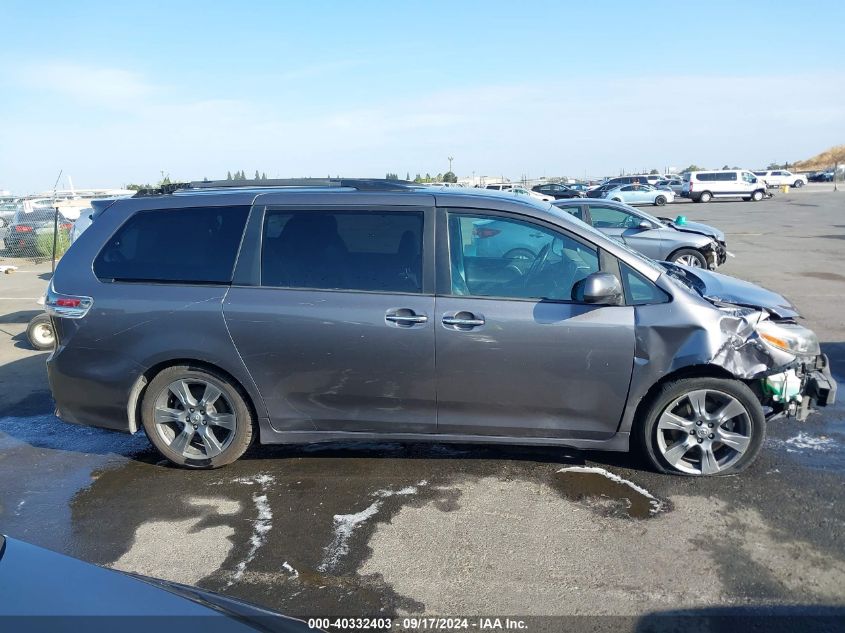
462,320
405,317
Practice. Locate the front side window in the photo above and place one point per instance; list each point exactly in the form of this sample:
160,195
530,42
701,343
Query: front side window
639,290
194,245
337,250
612,218
502,257
749,177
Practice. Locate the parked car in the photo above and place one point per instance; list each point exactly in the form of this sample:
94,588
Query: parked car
556,191
688,243
27,225
780,177
675,185
821,176
519,190
703,186
630,180
213,315
578,186
8,206
640,194
37,586
598,192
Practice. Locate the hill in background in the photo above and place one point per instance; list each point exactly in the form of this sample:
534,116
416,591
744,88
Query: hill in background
825,160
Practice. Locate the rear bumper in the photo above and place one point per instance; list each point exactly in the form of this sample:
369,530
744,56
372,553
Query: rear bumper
92,387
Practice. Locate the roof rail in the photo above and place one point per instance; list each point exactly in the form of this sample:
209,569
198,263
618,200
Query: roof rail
362,184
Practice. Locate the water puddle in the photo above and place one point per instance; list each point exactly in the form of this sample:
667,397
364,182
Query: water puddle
606,492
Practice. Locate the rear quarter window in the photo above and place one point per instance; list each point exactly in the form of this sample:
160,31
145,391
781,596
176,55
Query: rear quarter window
193,245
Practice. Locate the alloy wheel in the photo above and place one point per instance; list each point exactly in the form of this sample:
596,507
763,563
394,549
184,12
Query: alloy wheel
195,418
689,260
704,432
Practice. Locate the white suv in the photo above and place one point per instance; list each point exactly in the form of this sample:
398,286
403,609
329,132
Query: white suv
780,177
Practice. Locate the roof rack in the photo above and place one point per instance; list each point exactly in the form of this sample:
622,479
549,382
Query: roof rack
361,184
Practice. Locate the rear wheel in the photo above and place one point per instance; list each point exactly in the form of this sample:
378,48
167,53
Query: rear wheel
196,418
757,196
706,196
688,257
40,333
703,426
660,201
798,184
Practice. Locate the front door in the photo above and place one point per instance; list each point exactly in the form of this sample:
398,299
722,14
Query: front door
516,356
339,334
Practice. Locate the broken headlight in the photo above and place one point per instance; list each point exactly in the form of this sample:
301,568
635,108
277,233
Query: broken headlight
789,337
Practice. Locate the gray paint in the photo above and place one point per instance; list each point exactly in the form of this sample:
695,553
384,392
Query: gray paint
321,365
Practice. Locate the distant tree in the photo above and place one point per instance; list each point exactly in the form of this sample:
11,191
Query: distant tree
263,175
725,167
438,177
137,187
654,171
228,175
693,167
418,178
450,176
774,166
407,175
391,176
257,175
427,177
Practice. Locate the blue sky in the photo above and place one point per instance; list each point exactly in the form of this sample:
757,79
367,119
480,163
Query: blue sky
117,92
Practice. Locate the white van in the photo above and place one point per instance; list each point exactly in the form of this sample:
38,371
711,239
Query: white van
703,186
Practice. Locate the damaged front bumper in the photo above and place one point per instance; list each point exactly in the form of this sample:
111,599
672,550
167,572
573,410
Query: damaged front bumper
716,254
794,392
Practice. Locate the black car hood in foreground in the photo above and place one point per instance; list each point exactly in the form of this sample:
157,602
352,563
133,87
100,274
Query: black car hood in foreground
42,590
725,289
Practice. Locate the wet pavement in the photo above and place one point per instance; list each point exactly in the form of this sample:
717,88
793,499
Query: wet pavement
373,529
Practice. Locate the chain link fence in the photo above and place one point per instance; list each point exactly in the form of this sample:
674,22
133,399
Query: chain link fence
33,231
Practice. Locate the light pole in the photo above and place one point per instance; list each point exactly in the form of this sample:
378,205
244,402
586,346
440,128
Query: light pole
451,158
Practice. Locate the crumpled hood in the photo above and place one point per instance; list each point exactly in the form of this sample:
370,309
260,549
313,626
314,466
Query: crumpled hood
696,227
722,288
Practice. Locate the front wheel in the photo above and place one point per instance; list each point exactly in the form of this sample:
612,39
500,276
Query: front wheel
703,426
196,418
757,196
798,184
40,333
689,257
659,201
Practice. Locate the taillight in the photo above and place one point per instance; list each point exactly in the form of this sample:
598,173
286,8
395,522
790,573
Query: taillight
66,306
482,233
22,229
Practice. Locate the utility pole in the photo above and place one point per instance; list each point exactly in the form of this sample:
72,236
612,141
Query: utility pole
451,158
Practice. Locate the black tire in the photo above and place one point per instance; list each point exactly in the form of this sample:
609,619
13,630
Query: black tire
659,201
40,333
646,430
235,399
705,197
798,184
688,253
757,195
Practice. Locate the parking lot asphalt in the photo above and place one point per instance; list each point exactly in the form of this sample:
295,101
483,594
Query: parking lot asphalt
444,529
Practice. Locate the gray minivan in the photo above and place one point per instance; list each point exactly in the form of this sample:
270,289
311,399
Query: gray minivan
359,309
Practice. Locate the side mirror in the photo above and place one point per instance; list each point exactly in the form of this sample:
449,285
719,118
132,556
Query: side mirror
599,288
645,225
